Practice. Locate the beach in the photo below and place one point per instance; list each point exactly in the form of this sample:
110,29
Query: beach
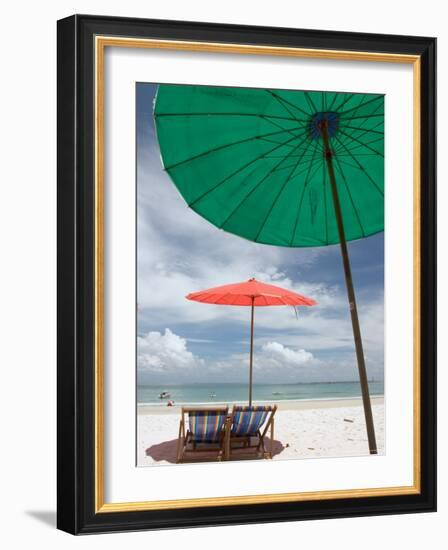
303,429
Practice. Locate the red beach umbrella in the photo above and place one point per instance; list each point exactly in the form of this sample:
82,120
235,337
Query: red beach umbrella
251,293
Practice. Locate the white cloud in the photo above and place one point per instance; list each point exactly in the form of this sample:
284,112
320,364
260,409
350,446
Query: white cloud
166,357
167,354
159,352
287,356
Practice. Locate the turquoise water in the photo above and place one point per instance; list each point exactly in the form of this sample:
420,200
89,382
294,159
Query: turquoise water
238,393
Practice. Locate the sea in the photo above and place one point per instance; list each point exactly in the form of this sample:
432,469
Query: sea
229,393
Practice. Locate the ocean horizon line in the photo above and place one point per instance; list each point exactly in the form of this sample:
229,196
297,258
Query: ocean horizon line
259,401
379,380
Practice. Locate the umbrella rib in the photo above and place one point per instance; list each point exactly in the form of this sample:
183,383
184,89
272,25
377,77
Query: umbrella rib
287,180
357,154
240,169
292,175
363,144
299,158
218,300
345,100
364,116
304,169
364,121
336,94
258,115
350,195
347,163
203,296
376,154
222,297
290,130
291,156
362,169
276,143
365,130
297,173
360,104
225,146
284,299
291,104
263,179
305,183
279,100
374,126
343,113
310,102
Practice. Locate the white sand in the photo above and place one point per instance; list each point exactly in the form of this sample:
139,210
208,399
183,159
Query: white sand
303,429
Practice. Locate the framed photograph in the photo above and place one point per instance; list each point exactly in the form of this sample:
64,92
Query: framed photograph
246,274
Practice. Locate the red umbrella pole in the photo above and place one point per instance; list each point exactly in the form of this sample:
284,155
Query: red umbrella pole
251,350
351,294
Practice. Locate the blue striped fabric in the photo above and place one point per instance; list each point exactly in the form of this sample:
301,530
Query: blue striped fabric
206,426
248,420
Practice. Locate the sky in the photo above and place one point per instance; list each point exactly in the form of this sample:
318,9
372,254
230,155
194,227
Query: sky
178,252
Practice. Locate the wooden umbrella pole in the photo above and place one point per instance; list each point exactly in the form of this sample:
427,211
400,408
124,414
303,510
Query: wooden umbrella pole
350,292
251,350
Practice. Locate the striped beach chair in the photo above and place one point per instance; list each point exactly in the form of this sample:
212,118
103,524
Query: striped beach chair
206,431
248,423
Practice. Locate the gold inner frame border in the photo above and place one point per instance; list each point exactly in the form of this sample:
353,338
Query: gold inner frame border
100,44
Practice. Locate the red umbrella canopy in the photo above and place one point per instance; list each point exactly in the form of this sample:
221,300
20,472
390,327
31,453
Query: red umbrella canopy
248,293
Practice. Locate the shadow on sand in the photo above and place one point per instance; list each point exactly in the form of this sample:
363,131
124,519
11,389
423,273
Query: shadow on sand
166,451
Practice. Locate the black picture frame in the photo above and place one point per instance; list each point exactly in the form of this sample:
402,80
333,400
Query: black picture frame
76,225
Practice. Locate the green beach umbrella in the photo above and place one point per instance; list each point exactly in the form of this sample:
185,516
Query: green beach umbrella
280,167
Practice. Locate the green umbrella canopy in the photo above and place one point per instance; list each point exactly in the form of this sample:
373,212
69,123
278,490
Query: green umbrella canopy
252,161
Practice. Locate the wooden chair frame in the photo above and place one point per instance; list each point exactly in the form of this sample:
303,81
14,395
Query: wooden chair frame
245,439
185,442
